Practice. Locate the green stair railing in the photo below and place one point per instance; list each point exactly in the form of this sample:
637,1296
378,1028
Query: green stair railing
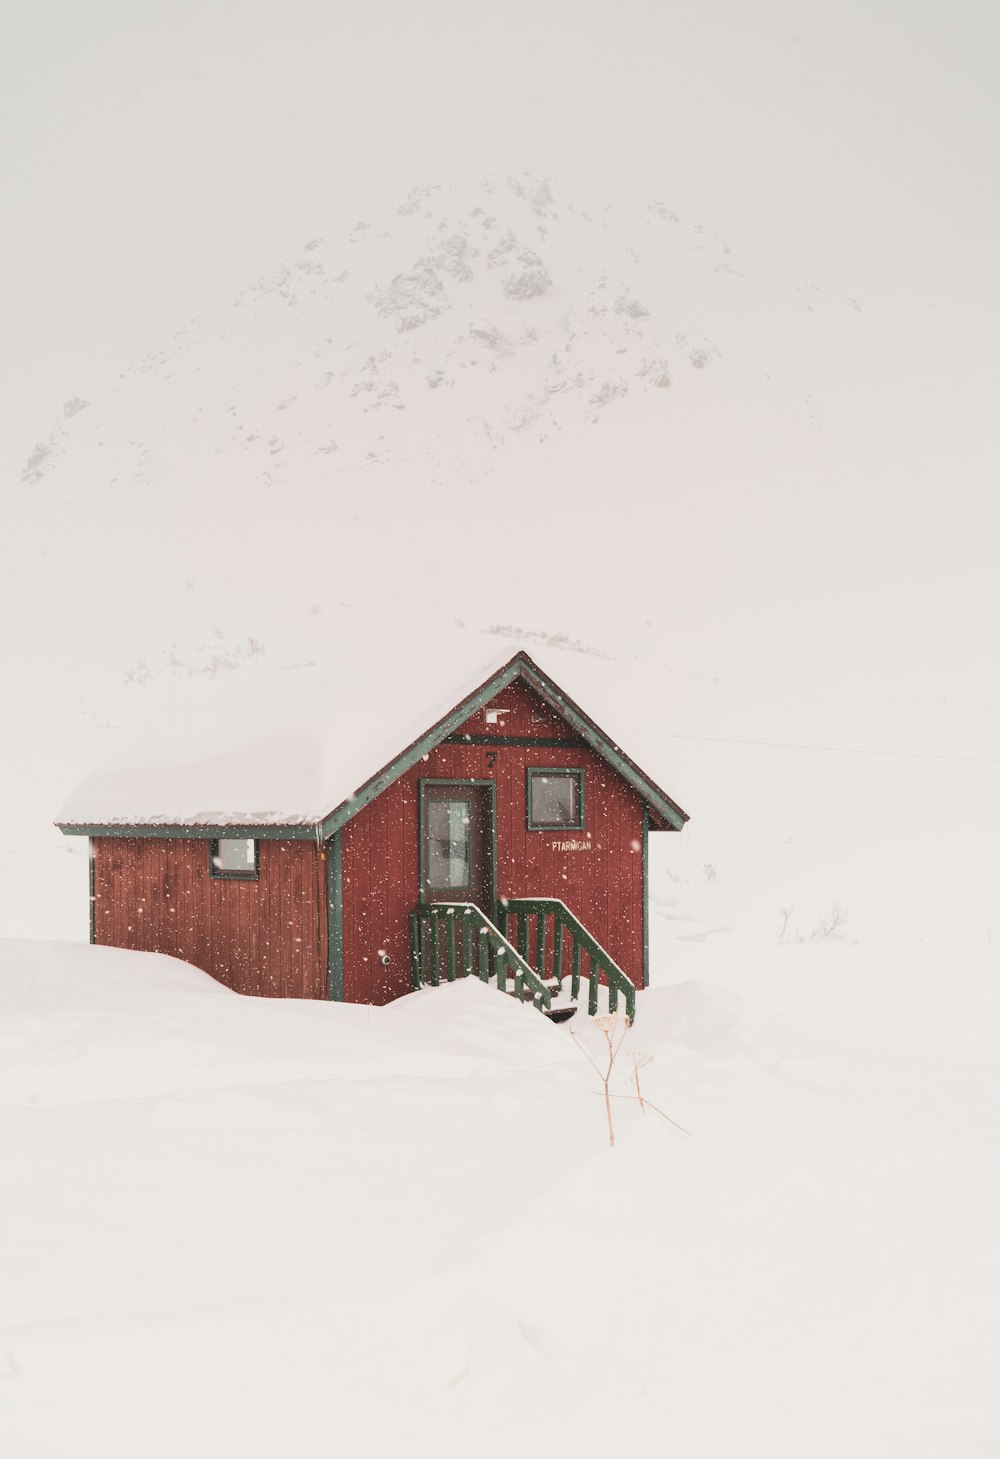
543,922
450,940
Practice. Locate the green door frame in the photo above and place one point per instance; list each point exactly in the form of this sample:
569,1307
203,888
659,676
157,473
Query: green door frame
645,896
335,917
491,911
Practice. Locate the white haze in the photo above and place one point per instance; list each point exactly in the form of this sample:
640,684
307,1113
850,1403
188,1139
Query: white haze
334,334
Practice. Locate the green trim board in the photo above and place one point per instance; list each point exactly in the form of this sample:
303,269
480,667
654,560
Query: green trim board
421,850
645,896
335,918
298,832
540,742
217,873
551,772
93,905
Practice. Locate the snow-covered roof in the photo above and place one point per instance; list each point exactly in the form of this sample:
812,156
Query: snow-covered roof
292,747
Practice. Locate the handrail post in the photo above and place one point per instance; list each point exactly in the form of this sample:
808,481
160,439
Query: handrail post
415,974
451,948
599,960
435,926
467,943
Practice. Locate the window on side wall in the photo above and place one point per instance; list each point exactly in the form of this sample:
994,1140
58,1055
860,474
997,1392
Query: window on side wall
233,858
555,800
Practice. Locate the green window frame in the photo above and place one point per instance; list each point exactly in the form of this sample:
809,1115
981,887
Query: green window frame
552,772
219,873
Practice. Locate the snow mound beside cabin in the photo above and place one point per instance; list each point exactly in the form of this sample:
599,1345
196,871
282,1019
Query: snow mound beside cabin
132,1024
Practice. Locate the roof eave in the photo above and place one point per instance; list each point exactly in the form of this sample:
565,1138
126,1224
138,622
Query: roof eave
661,805
416,751
292,831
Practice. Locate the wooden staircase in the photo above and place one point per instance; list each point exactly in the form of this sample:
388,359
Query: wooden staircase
451,940
540,923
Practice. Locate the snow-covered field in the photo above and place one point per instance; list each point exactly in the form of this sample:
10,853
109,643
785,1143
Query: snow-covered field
237,1226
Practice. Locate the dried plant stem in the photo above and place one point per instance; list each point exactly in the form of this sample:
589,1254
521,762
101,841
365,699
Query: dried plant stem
654,1107
639,1061
609,1028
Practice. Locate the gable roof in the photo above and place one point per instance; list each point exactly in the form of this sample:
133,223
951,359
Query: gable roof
273,784
667,813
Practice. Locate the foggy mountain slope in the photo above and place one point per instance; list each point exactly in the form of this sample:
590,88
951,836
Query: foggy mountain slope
468,319
601,401
483,354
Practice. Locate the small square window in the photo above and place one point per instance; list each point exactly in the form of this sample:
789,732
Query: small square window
555,800
233,858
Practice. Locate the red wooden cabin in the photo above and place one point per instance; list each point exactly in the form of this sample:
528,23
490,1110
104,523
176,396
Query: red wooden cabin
508,840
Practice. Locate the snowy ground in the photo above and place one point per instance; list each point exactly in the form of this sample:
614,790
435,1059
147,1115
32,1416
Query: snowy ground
235,1226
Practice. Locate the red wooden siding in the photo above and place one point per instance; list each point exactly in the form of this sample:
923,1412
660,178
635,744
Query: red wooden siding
269,937
525,714
264,937
602,887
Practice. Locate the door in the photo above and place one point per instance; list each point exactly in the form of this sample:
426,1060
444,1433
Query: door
456,842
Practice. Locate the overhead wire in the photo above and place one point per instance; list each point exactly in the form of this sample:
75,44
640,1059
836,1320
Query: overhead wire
824,749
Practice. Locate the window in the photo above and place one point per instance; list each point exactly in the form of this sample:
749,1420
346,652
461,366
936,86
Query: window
449,844
233,859
555,800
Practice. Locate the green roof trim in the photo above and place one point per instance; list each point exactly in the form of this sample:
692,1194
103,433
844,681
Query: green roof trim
335,919
658,800
300,831
414,753
667,815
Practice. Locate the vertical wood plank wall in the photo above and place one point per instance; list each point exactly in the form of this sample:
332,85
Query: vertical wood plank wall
264,937
603,887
